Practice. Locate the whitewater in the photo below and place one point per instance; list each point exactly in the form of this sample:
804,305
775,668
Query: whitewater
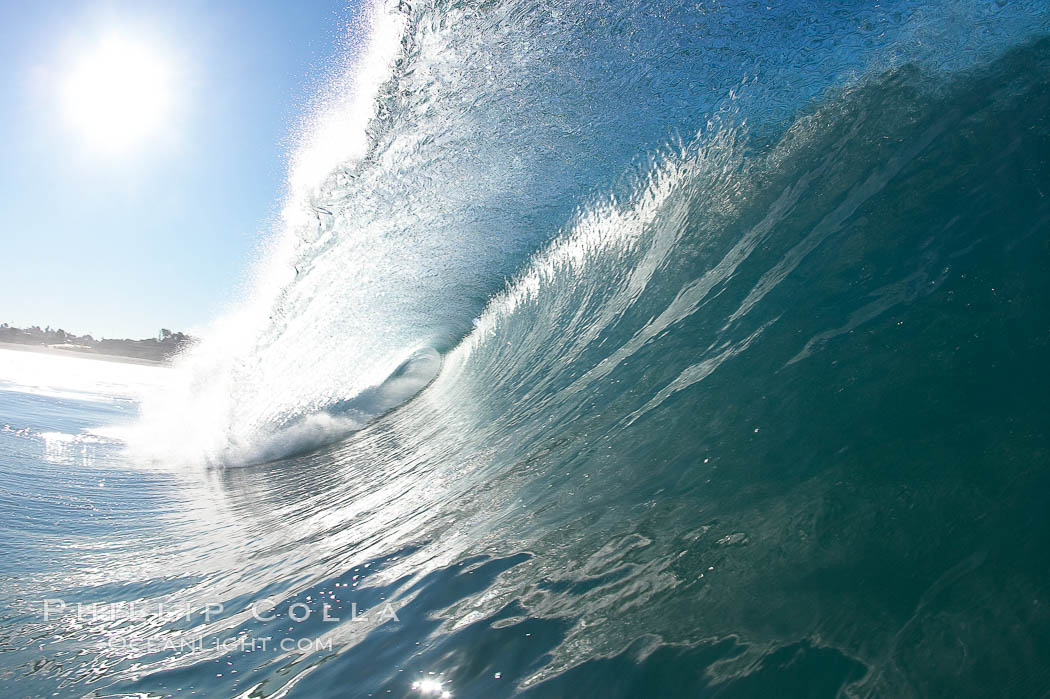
600,350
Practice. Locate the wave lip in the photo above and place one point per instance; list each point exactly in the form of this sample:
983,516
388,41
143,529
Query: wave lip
339,420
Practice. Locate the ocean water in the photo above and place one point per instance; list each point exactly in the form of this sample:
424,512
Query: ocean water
602,350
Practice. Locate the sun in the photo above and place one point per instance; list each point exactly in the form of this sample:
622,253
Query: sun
118,95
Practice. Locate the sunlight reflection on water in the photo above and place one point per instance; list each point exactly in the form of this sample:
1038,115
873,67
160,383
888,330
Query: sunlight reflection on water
62,376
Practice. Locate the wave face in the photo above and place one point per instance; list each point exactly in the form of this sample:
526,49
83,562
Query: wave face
462,139
726,327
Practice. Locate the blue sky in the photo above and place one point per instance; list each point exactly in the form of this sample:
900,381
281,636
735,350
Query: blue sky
160,233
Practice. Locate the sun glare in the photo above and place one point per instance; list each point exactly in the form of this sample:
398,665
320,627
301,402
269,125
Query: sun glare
118,95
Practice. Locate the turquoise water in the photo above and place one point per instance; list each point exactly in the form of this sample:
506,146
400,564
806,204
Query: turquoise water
742,316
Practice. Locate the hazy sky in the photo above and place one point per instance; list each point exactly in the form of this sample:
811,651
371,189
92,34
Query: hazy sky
125,206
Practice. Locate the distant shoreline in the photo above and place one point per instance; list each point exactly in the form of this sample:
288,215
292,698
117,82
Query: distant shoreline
85,354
